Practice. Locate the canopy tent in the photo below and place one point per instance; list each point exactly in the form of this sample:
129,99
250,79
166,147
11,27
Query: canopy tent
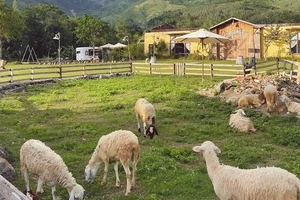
119,45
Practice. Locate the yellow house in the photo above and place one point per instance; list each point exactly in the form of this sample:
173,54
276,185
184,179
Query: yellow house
248,40
167,33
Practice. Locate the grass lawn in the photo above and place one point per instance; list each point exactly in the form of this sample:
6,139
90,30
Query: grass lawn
71,116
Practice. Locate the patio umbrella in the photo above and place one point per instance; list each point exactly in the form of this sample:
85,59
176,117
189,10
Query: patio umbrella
202,36
108,45
119,45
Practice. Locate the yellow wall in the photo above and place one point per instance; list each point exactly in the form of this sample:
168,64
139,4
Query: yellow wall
151,37
276,49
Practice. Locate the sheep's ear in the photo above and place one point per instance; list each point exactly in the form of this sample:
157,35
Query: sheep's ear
243,113
197,149
217,150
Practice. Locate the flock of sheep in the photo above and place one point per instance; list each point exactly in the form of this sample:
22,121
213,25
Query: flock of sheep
119,146
230,183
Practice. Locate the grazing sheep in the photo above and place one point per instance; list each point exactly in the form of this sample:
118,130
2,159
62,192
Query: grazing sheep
241,184
145,111
48,167
117,146
240,122
251,100
292,107
271,95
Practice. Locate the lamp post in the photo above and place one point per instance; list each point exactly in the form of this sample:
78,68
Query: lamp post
57,37
126,38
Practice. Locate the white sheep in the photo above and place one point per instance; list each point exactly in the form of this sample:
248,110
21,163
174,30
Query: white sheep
240,184
240,122
146,112
117,146
271,95
292,107
251,100
48,167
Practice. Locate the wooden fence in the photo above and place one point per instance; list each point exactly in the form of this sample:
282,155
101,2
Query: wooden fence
283,67
9,192
37,72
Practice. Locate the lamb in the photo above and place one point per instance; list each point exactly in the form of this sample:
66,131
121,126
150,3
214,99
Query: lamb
271,95
292,107
240,122
145,111
121,145
240,184
251,100
49,168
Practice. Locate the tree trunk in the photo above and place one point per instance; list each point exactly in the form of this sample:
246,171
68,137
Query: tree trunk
0,49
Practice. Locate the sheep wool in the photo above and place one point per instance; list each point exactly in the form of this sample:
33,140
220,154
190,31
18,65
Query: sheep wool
292,107
240,184
121,145
48,167
241,123
146,112
271,95
251,100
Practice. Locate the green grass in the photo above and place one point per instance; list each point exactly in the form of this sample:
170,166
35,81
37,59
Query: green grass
71,116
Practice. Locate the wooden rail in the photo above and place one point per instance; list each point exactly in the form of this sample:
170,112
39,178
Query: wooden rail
37,72
9,192
283,67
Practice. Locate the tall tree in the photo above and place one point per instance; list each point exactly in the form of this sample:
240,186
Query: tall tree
91,30
10,24
42,23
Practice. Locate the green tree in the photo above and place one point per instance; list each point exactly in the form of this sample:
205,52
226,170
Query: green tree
91,30
42,23
10,24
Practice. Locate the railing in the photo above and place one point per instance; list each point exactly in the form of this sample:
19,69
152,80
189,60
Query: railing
37,72
9,191
283,67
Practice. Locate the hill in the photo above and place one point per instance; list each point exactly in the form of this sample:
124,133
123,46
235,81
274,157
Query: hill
180,13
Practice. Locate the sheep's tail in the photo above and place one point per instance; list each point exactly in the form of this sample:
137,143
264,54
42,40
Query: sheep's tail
135,153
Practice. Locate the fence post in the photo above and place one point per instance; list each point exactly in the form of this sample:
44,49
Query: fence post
60,71
110,70
32,73
183,69
291,71
244,70
298,75
150,68
255,69
11,75
277,65
284,67
211,71
174,69
130,67
83,71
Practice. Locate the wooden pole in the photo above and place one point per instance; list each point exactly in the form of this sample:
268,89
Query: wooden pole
202,60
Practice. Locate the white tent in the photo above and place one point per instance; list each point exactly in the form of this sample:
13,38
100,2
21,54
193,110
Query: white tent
119,45
108,45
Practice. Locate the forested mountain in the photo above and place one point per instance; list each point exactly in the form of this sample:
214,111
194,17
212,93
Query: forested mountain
180,13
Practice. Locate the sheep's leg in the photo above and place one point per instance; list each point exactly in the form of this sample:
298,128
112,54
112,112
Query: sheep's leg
53,189
134,169
138,123
128,176
145,128
26,177
105,172
40,184
117,174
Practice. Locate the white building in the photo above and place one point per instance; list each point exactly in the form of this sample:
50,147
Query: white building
86,53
